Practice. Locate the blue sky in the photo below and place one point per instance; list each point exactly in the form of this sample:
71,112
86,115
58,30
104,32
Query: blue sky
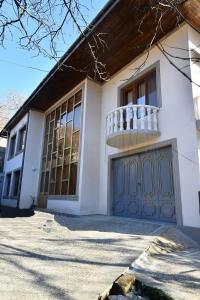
15,78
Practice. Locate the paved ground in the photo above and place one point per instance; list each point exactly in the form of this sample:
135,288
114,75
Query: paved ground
58,257
172,264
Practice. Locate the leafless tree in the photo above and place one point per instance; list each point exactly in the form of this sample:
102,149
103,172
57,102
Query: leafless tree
9,106
41,24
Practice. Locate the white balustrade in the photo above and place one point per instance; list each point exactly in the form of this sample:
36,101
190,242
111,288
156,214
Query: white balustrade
136,118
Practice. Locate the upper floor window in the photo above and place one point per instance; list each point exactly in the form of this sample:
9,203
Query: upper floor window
21,139
142,91
12,146
61,148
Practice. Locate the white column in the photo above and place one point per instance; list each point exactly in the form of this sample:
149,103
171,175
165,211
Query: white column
128,118
149,116
135,117
115,121
142,112
121,119
155,120
111,123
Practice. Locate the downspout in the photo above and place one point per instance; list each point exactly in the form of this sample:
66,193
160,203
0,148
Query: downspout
23,158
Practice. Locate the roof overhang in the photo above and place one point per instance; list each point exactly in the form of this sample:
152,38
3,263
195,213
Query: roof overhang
124,42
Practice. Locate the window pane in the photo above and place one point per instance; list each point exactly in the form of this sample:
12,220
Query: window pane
57,124
65,172
51,131
22,137
53,174
78,97
55,140
141,93
62,125
60,151
75,146
58,181
64,190
46,184
45,144
12,146
70,109
151,88
53,115
129,97
54,160
66,156
16,181
68,134
73,178
49,155
77,117
47,124
8,181
43,163
42,182
52,181
52,188
63,108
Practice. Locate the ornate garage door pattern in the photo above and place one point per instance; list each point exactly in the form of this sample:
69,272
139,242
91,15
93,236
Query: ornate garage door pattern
143,186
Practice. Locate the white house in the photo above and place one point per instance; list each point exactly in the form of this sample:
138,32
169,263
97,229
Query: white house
127,147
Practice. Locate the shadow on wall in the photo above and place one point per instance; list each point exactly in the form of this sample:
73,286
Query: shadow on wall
13,212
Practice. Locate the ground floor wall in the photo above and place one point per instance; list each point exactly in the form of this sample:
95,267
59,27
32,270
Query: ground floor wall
176,122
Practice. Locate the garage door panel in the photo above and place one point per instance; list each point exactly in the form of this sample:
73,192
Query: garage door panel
143,186
133,179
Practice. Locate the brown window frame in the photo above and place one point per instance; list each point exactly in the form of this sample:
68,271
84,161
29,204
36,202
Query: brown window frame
134,88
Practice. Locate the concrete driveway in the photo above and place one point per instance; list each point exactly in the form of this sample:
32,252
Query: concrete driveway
58,257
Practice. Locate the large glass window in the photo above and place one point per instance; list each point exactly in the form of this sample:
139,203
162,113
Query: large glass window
61,148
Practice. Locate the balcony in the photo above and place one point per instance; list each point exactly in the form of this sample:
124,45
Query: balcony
130,125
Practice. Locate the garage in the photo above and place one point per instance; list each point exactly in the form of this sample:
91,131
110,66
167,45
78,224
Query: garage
143,186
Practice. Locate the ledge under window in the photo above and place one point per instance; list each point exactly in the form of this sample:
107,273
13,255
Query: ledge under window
63,197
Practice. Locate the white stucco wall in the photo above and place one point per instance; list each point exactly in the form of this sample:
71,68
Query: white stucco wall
31,170
90,150
15,162
177,121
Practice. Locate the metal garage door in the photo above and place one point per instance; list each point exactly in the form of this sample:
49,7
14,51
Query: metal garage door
143,186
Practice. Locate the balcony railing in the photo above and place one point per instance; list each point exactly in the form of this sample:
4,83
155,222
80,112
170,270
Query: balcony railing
131,124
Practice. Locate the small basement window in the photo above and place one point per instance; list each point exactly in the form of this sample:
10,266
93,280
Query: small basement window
16,183
12,146
142,91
